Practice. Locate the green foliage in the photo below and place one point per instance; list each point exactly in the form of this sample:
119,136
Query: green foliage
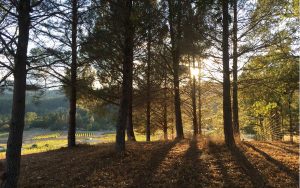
4,123
268,84
30,117
49,110
249,129
261,108
38,102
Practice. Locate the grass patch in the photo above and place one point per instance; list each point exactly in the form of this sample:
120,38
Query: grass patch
111,137
46,136
39,146
45,142
43,146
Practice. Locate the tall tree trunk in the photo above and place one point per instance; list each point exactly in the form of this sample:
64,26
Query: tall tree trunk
14,143
148,106
177,100
73,90
175,40
194,106
199,100
290,117
165,107
129,128
130,132
227,116
148,116
127,76
235,106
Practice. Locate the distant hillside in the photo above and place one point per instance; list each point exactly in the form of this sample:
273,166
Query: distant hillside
49,110
39,102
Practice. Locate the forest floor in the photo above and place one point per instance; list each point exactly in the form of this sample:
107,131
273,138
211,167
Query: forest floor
186,163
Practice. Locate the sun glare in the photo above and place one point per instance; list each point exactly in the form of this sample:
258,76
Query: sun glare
194,71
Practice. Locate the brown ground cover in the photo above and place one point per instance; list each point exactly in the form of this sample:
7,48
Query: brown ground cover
185,163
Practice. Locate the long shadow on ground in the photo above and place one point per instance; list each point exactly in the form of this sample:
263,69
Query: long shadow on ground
216,150
145,178
257,179
191,169
282,148
63,167
277,163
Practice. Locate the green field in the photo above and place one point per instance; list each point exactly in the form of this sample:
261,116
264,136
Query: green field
55,140
46,136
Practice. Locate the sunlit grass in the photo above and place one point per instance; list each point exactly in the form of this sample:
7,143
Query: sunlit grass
142,137
41,144
106,138
46,136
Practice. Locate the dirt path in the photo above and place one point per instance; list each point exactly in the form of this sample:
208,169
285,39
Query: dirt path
185,163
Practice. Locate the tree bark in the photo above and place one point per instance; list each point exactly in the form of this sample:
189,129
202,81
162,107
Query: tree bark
175,48
127,76
14,143
165,107
194,106
227,115
235,106
290,117
130,132
148,116
148,105
199,101
129,129
177,102
73,90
